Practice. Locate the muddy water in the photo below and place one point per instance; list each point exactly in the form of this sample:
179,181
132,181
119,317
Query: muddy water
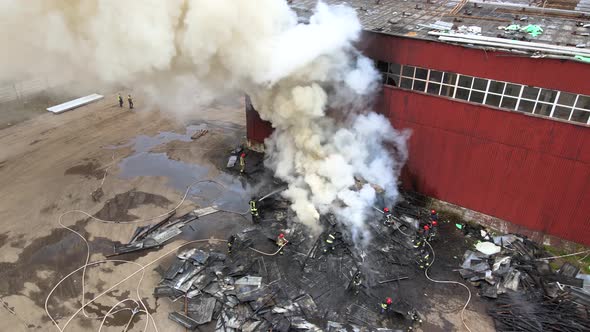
117,208
46,260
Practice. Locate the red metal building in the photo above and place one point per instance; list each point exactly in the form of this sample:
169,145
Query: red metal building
502,133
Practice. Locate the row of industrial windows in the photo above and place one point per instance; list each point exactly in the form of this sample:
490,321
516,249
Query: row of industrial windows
518,97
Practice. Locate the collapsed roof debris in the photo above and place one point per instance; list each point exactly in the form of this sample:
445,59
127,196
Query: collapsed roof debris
314,285
146,237
529,295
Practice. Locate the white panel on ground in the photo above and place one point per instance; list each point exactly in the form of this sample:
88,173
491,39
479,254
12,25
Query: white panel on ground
70,105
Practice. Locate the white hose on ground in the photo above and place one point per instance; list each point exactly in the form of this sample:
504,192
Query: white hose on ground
83,267
562,256
449,282
142,269
267,254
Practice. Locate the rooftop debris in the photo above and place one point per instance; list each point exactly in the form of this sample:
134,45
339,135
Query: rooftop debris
146,237
528,294
314,285
199,134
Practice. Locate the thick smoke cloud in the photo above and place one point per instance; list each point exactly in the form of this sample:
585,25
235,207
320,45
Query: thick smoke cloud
306,79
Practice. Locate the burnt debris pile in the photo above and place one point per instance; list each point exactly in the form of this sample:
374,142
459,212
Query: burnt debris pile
324,282
529,295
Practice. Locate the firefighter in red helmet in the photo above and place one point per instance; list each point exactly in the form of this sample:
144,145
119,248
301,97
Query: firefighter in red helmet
281,242
385,305
242,163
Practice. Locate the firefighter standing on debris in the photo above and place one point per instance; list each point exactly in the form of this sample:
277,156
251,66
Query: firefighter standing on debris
433,215
120,100
356,282
388,217
423,258
230,243
130,101
281,242
242,163
330,242
254,210
385,305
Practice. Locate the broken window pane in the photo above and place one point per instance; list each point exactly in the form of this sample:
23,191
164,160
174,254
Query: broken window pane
465,81
543,109
580,116
496,87
526,106
394,68
547,96
480,84
406,83
436,76
433,88
562,112
462,94
382,66
530,93
450,78
421,73
408,71
493,100
419,85
566,99
583,102
512,90
509,103
476,97
393,80
447,91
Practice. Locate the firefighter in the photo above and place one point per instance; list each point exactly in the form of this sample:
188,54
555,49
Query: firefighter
130,101
433,215
434,229
356,282
120,100
254,210
242,163
230,243
330,242
388,217
281,242
385,305
423,259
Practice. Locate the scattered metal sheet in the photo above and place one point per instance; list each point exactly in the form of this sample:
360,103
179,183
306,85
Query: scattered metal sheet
200,257
231,162
201,309
174,269
183,320
307,305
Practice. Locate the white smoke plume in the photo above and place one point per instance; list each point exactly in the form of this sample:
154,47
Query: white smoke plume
306,79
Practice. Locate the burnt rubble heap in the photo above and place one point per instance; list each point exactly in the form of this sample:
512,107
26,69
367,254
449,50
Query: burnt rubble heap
312,285
529,295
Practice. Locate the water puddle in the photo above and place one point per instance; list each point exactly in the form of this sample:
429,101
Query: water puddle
226,192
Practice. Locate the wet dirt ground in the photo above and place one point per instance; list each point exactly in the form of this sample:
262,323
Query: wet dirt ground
142,161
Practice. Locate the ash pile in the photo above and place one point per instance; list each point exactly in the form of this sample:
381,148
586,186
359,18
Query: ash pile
528,295
311,283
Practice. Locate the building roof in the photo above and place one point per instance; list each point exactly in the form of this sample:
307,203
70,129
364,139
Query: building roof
564,24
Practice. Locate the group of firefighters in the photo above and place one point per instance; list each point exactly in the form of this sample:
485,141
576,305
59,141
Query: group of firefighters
129,100
426,233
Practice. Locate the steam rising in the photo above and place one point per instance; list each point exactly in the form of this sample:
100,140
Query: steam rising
306,79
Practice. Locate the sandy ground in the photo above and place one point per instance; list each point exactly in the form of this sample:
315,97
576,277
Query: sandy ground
51,164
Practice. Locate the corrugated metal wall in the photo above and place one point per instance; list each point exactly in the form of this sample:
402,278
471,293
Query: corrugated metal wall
531,171
527,170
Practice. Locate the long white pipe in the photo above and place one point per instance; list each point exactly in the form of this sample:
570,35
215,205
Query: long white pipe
531,45
503,45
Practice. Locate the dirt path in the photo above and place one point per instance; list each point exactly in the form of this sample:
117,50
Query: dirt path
52,163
